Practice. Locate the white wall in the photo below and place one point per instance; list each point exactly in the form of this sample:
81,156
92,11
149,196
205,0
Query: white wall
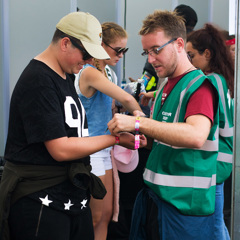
32,24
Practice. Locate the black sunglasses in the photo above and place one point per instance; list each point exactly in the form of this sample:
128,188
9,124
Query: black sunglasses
118,50
86,55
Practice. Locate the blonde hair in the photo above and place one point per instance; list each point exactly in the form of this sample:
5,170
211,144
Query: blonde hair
112,31
97,65
172,24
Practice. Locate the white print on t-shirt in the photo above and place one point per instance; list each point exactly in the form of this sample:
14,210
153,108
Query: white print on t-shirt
75,123
83,202
68,205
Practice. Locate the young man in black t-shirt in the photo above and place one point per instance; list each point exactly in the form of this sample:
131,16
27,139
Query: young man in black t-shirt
47,183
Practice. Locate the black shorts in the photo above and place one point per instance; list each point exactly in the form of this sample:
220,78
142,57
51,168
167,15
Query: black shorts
26,223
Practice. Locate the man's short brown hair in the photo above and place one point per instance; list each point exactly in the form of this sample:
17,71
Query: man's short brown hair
167,21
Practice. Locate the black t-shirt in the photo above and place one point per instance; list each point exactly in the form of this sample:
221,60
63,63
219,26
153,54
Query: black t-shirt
45,106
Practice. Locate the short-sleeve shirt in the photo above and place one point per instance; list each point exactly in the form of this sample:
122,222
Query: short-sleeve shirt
201,102
44,106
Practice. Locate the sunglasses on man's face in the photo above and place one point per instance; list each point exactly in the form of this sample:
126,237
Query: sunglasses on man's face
118,50
86,55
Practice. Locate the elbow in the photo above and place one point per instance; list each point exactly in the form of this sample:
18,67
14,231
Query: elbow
59,156
198,142
128,101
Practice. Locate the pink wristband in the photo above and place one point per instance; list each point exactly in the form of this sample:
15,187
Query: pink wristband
137,136
117,140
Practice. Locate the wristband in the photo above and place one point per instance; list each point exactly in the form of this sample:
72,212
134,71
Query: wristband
154,94
117,140
137,137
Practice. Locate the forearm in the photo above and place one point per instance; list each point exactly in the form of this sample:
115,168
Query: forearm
170,133
191,134
130,103
175,134
68,149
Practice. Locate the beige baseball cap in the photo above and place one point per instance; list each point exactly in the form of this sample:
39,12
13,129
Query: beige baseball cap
87,29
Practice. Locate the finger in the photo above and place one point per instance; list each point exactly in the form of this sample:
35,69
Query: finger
132,80
136,113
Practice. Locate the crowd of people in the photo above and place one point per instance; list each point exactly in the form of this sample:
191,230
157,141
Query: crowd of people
59,179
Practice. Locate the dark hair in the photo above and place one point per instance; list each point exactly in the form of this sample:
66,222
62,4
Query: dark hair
59,34
209,37
188,14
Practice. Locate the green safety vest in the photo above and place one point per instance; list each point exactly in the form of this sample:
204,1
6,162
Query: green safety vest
183,177
225,155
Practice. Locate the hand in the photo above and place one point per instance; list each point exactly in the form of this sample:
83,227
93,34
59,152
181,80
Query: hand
146,97
128,140
121,123
138,113
132,80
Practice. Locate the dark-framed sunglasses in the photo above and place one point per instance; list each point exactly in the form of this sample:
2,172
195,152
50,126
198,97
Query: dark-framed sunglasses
86,55
156,51
118,50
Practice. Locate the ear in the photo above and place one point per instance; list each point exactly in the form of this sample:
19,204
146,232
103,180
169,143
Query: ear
65,43
207,53
180,44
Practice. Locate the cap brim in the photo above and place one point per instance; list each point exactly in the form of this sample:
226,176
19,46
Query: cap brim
126,160
96,51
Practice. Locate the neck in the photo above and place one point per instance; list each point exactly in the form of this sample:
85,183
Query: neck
183,66
189,69
51,60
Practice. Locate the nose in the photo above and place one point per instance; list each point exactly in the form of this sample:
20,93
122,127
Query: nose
151,58
120,55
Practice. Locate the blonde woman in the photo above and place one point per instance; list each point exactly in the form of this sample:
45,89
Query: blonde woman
96,89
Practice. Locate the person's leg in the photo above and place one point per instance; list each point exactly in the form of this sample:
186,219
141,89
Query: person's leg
96,205
220,229
82,227
227,202
100,229
150,213
178,226
29,220
102,210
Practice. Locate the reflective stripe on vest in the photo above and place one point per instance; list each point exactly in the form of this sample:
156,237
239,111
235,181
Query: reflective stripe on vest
226,131
182,95
179,181
225,157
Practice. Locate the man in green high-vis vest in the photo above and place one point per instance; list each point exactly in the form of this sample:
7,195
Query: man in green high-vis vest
178,199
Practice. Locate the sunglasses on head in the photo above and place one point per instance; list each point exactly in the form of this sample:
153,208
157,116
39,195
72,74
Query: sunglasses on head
118,50
86,55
